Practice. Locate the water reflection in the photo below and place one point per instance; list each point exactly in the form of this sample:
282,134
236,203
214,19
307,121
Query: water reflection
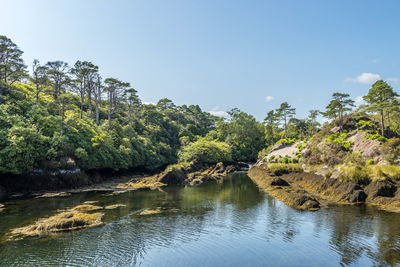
216,224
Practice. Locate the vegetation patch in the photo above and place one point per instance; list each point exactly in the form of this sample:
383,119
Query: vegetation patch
73,219
114,206
279,168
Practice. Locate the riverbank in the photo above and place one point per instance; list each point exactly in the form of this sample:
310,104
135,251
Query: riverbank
181,174
310,191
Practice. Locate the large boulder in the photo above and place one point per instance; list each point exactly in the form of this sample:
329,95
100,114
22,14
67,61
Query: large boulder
279,182
174,177
385,188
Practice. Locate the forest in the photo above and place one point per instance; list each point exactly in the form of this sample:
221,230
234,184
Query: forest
57,115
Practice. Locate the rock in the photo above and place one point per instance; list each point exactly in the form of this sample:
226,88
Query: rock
335,129
323,171
358,196
385,188
60,194
114,206
304,201
279,182
336,174
311,204
174,177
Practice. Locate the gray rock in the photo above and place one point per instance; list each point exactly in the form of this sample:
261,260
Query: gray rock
323,171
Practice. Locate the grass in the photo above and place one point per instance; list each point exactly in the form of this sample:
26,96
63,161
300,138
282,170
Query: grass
177,166
280,168
367,173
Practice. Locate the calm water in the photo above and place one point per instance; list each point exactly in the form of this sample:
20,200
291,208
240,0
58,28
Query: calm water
216,224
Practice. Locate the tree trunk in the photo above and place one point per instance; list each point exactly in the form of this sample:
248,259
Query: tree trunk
37,96
382,124
388,118
109,108
62,117
285,128
90,103
97,112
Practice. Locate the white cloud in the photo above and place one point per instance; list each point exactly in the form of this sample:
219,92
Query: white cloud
375,60
269,98
219,113
359,101
393,80
148,103
365,78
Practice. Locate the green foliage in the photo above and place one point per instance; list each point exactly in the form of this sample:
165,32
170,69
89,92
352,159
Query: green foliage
287,141
205,151
279,168
339,139
243,133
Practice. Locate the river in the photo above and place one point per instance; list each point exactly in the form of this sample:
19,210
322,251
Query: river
229,223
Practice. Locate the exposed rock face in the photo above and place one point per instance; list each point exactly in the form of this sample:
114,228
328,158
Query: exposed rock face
174,177
385,188
279,182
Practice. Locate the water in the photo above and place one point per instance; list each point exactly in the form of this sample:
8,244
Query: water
230,223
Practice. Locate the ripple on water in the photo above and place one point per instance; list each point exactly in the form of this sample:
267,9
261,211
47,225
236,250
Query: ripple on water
228,224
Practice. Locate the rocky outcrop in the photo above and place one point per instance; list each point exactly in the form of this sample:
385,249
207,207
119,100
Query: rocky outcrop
305,188
179,174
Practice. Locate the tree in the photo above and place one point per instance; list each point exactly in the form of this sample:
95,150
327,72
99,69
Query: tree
285,112
312,121
84,72
114,88
243,133
12,67
58,74
39,78
133,102
380,98
270,123
97,93
339,105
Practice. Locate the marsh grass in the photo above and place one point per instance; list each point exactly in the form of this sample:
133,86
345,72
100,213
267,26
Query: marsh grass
281,168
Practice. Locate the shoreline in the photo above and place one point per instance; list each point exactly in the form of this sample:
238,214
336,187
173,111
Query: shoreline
309,191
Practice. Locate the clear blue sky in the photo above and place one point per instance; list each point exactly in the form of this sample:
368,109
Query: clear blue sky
219,54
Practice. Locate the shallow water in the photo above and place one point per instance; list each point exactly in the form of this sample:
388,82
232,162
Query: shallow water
230,223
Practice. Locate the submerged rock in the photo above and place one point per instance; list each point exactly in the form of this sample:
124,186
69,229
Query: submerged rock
150,211
114,206
59,194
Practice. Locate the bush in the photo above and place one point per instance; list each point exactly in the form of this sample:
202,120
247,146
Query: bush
205,151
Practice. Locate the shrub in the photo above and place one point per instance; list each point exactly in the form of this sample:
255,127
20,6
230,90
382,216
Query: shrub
205,151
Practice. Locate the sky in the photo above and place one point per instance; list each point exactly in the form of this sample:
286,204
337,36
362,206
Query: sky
219,54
